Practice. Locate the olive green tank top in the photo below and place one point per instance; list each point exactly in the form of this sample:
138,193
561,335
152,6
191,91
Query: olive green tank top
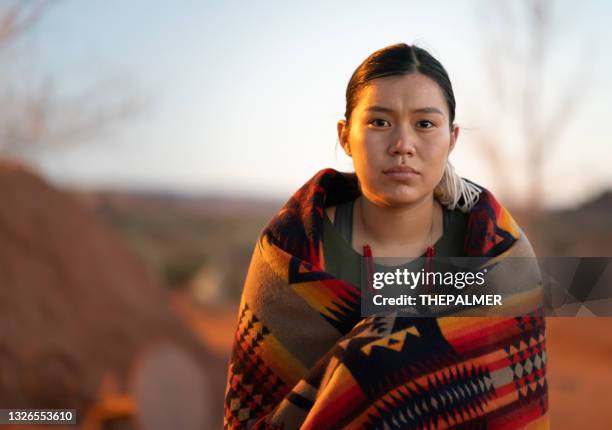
342,261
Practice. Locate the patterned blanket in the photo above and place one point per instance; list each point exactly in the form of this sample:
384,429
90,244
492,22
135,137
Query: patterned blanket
304,358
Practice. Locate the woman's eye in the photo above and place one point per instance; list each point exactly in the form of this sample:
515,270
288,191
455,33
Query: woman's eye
380,123
425,124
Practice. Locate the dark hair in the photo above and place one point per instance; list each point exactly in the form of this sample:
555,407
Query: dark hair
398,59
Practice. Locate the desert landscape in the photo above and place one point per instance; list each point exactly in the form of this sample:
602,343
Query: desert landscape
124,305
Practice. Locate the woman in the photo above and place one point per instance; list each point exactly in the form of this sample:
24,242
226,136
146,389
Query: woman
303,356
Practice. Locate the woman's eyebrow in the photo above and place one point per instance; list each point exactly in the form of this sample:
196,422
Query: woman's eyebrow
428,109
376,108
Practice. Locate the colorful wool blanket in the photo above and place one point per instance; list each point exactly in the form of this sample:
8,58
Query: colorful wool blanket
304,358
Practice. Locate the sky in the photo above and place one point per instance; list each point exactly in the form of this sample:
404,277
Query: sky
242,98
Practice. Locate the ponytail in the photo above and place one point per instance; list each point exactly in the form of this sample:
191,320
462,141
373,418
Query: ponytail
456,192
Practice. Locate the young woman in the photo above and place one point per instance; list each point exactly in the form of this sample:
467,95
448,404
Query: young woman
303,356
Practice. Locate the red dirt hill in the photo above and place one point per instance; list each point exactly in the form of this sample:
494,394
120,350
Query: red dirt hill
84,326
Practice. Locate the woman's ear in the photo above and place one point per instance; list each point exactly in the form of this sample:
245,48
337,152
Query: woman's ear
342,135
454,136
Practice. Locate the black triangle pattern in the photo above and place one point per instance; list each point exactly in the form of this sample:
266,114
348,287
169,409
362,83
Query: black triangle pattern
253,388
460,394
346,313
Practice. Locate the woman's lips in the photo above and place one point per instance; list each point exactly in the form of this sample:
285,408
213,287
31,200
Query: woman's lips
402,174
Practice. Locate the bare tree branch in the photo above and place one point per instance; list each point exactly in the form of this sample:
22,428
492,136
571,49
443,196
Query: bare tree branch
518,72
38,116
19,19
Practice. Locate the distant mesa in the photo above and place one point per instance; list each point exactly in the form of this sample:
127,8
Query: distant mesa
602,203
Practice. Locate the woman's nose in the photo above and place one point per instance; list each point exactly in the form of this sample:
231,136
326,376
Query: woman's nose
403,143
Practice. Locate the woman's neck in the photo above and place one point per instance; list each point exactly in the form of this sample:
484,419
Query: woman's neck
401,231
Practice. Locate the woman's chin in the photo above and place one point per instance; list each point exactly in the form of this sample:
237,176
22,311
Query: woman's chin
402,197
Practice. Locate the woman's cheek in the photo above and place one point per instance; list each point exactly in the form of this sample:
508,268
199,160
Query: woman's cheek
368,160
436,159
436,174
362,167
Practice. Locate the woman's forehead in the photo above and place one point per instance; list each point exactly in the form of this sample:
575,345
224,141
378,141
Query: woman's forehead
402,91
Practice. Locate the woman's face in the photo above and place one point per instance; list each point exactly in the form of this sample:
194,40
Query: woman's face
399,138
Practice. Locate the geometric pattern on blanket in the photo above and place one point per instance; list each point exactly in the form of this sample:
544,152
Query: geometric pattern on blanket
253,388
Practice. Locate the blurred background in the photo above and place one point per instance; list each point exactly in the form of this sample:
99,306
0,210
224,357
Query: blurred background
144,145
